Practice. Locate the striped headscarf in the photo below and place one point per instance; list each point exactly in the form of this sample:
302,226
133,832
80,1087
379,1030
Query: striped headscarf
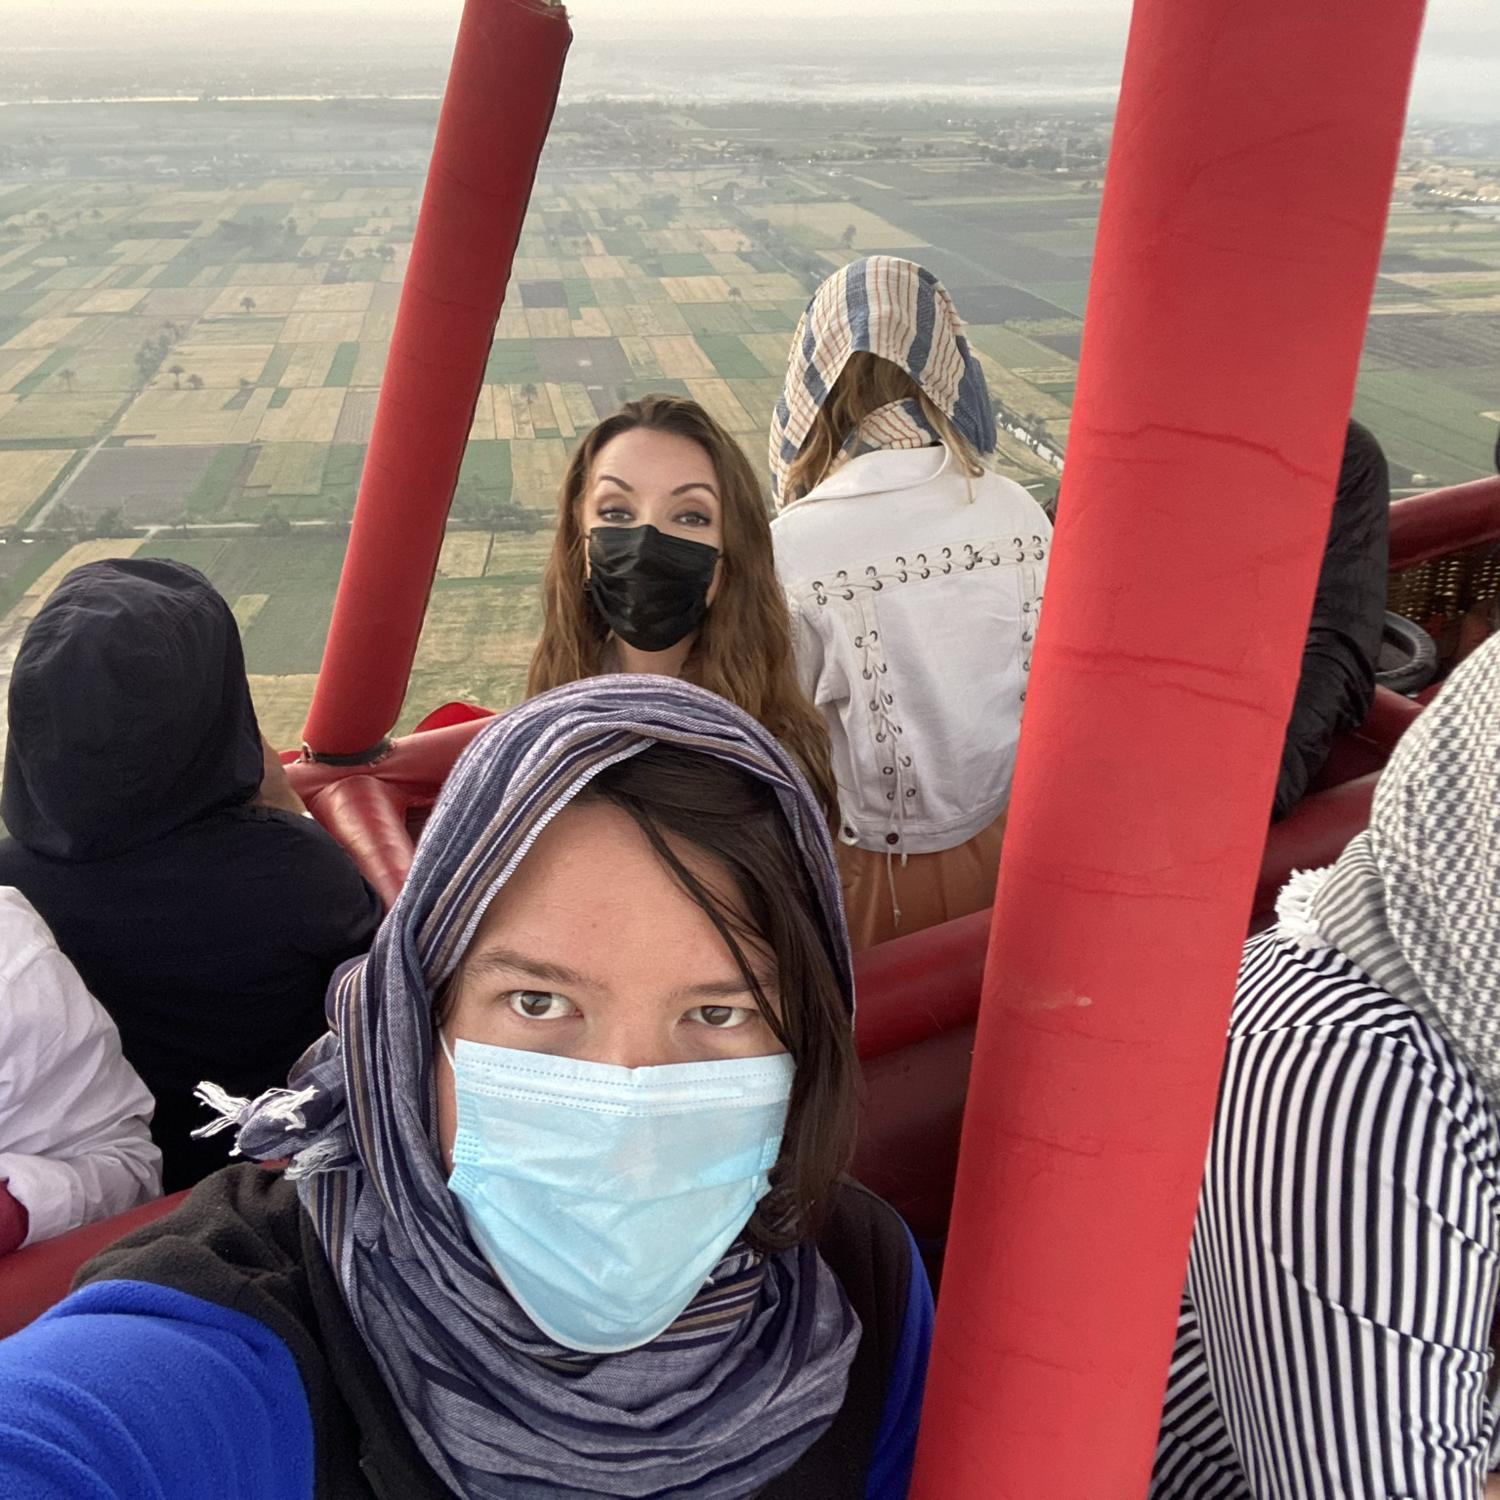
1415,899
900,311
719,1404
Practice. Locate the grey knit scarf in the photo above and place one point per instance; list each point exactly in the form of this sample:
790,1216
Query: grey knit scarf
1414,901
712,1408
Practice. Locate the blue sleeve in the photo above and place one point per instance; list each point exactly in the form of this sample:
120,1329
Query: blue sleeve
896,1446
132,1390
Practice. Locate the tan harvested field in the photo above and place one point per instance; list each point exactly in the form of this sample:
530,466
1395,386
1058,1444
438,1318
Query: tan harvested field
464,554
17,364
289,468
6,402
469,632
218,366
696,288
771,349
537,469
284,273
725,240
759,398
181,303
50,416
369,364
247,419
580,408
146,252
825,223
268,299
591,323
309,416
768,286
558,407
281,705
531,412
548,323
308,365
118,300
731,265
646,320
46,333
482,428
349,297
246,607
502,412
24,474
644,364
681,358
322,327
721,404
171,417
512,321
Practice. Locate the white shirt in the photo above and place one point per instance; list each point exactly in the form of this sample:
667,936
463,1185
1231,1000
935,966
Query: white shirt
915,595
74,1142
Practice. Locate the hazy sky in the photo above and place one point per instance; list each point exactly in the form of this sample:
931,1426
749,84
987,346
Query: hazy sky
1460,58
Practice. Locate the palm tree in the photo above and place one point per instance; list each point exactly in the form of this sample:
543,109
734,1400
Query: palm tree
67,377
248,303
176,372
195,382
529,392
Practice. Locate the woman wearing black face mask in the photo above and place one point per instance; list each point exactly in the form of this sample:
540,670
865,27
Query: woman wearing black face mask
662,563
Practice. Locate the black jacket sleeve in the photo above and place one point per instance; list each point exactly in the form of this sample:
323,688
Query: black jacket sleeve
1343,641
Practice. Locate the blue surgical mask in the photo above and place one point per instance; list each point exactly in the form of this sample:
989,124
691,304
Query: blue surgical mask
604,1197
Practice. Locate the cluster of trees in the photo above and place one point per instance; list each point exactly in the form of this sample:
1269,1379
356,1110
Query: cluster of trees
72,525
152,354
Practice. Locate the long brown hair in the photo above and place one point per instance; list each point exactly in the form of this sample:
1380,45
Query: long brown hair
691,801
865,384
744,646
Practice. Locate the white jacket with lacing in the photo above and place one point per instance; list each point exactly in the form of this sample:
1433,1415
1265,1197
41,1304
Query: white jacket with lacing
915,595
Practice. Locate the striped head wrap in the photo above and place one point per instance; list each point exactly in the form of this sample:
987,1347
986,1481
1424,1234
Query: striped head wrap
900,311
1414,901
755,1369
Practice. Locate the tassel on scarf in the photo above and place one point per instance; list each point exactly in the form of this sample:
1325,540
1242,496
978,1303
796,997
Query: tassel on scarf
1294,916
233,1111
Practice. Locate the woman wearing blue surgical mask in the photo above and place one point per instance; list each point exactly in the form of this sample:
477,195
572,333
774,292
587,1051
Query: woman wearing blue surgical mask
564,1215
662,563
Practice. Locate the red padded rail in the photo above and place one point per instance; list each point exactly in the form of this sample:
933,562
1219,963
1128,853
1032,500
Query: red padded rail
507,65
33,1279
1441,522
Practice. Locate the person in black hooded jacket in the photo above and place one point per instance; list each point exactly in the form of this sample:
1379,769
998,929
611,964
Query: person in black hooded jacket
1337,684
206,922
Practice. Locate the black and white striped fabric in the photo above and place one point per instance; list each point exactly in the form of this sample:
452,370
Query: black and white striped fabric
1334,1342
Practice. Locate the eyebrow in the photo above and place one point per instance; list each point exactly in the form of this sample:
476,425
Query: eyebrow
507,960
682,489
494,960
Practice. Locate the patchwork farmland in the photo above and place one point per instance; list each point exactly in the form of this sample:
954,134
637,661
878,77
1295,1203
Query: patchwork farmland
190,363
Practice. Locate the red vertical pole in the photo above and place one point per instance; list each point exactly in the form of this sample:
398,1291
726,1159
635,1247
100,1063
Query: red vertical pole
1249,180
507,67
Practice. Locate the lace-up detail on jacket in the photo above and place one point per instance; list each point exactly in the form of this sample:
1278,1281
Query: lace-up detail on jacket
918,657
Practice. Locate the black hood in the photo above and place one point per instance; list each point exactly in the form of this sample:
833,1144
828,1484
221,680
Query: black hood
130,714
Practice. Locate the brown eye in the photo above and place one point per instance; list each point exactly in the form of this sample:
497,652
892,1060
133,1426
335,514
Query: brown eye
539,1005
723,1017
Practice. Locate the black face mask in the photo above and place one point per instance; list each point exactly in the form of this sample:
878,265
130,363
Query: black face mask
651,589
